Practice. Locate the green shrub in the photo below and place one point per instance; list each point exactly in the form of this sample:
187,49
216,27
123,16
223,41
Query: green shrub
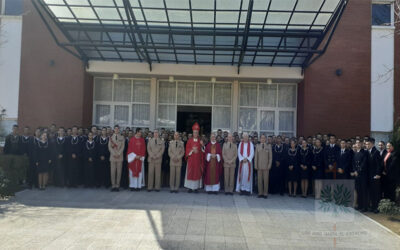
389,207
12,173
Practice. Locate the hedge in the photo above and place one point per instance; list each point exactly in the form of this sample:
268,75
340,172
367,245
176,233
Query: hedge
12,173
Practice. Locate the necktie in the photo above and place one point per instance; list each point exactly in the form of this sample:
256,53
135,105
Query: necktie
156,141
230,145
115,137
263,145
176,144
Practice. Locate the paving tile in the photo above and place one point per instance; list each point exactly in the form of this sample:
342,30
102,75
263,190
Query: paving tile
99,219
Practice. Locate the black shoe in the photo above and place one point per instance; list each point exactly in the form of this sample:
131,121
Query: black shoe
259,196
208,192
216,193
190,191
132,189
157,190
116,189
241,193
226,193
171,191
376,211
196,191
112,190
149,190
265,197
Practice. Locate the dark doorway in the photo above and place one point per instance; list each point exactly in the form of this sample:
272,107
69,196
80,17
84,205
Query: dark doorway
188,115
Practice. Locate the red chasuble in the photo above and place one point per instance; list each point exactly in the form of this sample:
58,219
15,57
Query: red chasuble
138,147
194,161
213,167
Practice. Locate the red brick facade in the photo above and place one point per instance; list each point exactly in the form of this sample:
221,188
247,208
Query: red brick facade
54,87
340,104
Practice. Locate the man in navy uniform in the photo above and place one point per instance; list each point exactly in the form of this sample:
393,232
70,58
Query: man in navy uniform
374,176
343,162
73,149
12,144
277,175
331,154
360,172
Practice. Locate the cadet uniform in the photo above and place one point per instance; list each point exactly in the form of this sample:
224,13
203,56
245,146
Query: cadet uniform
277,169
116,145
262,163
155,150
331,154
176,151
229,155
12,145
360,166
375,169
59,158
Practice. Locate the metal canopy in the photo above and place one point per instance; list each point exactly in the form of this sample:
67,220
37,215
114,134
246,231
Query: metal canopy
235,32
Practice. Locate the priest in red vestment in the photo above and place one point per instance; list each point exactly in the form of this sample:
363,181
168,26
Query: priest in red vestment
213,166
136,154
194,156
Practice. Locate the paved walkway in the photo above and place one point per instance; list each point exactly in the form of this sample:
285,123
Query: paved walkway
98,219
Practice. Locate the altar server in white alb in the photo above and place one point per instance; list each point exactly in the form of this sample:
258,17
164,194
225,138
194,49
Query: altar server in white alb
136,154
244,182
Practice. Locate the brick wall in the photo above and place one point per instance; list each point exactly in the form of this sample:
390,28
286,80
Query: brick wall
340,104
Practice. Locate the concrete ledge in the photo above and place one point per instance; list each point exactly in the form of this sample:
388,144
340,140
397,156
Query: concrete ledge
277,74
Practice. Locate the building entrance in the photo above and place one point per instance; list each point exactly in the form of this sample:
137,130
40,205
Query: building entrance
188,115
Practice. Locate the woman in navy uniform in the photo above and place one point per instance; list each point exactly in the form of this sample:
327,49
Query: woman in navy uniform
391,172
306,158
42,158
317,167
292,164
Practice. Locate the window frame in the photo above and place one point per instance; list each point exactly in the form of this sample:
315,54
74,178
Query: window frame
276,109
113,103
392,17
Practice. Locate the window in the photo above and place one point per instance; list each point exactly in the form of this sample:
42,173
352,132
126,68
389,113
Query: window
11,7
382,15
125,102
268,108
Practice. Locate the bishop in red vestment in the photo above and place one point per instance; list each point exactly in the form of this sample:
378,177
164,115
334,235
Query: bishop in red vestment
194,155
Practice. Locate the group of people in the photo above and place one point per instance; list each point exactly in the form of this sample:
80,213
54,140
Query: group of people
235,162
